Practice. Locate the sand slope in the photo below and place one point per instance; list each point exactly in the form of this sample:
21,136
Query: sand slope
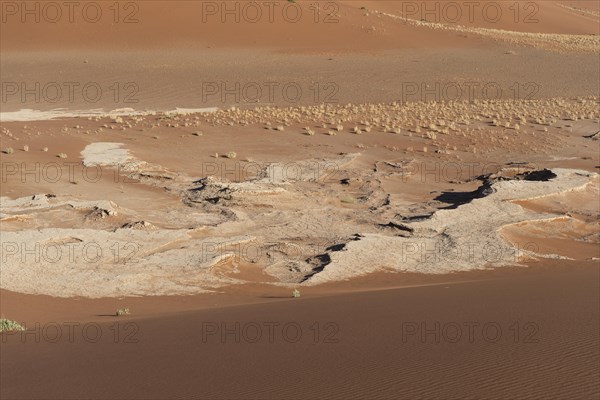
362,355
320,26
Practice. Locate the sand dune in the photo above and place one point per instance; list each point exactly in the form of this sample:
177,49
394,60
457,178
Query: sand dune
300,26
548,346
556,16
300,199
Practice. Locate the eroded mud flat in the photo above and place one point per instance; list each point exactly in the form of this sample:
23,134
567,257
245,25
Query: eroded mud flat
302,196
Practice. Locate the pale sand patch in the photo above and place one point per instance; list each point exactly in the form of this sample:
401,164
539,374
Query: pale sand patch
129,261
104,153
30,115
462,239
279,212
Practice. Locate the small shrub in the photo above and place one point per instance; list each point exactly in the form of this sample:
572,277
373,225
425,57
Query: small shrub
122,311
296,293
231,155
6,325
61,155
9,150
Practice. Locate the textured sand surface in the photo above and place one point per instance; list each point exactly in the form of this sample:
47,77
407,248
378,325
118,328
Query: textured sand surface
547,348
330,217
427,185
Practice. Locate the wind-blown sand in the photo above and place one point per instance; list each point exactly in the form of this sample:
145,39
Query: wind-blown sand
555,353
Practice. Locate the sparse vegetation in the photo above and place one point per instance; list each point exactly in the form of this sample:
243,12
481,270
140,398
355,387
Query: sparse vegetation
7,325
122,311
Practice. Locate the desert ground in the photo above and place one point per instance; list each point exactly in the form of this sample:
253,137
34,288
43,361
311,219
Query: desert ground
300,200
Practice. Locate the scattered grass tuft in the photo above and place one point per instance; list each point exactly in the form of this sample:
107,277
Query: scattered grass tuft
122,311
6,325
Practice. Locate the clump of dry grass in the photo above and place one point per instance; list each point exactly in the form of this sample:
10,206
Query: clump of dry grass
7,325
122,311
